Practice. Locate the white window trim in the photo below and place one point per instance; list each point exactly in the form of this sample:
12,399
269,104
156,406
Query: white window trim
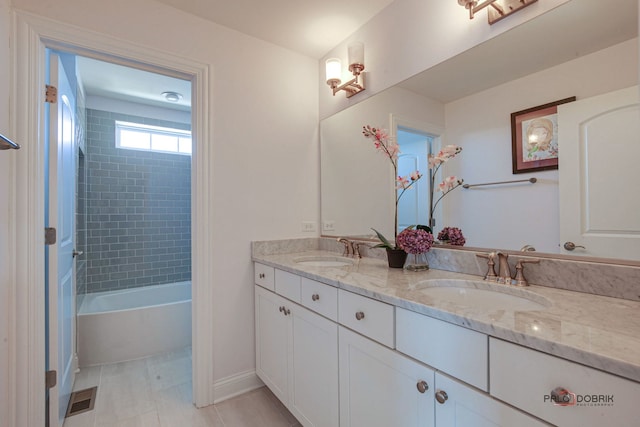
151,130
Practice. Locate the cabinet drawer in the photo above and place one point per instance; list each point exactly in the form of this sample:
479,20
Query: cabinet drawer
458,351
525,378
320,298
264,276
369,317
288,285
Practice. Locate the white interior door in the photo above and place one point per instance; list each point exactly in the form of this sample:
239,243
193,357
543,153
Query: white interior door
62,185
598,173
413,207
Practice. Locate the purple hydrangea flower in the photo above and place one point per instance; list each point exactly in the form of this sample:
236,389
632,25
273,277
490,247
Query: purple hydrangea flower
415,241
453,235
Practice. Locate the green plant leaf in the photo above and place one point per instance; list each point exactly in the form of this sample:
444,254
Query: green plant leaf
385,243
425,228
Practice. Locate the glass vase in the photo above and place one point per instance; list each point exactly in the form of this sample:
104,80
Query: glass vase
417,262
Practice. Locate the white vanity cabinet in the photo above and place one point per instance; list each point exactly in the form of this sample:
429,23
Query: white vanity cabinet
380,387
459,405
337,358
297,356
527,378
460,352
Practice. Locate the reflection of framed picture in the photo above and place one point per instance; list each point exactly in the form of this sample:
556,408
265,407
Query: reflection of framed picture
534,137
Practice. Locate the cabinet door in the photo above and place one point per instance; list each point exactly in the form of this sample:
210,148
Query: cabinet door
272,342
313,381
379,387
465,407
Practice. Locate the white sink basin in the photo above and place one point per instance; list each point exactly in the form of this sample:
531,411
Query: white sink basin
483,295
324,261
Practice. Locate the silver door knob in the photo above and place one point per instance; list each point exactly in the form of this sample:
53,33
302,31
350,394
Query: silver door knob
76,253
359,315
571,246
422,386
441,396
315,297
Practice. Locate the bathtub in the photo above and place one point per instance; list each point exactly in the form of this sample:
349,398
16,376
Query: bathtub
116,326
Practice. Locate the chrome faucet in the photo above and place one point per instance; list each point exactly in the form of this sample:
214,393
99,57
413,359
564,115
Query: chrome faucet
504,272
355,249
519,279
347,246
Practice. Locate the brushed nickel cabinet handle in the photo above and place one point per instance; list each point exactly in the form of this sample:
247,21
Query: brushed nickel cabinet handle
562,396
359,315
422,386
315,297
441,396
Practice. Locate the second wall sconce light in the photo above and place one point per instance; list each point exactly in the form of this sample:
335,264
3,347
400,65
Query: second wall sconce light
499,8
356,65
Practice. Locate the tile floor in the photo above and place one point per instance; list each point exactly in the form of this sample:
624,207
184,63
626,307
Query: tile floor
156,392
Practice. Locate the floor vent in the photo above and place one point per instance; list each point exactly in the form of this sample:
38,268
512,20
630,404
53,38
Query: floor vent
82,401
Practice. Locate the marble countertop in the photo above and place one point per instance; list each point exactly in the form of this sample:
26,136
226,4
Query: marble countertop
597,331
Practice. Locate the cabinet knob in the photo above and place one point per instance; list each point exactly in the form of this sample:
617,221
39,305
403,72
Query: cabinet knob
261,275
441,396
281,309
422,386
359,315
315,297
561,396
287,312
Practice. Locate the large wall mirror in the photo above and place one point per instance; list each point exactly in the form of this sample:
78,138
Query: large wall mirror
583,48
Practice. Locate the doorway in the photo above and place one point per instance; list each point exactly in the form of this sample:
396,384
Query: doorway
33,35
129,155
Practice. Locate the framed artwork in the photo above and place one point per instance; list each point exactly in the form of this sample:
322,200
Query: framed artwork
534,137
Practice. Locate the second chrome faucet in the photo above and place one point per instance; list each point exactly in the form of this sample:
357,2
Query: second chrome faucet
350,247
504,271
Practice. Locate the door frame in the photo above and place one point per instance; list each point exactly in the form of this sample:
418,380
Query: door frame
32,34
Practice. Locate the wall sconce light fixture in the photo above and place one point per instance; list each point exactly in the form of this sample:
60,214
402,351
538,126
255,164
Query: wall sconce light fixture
356,65
499,8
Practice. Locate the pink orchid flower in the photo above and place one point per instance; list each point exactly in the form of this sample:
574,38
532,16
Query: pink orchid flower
402,182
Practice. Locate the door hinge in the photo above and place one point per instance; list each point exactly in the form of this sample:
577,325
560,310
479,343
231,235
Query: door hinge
51,94
49,236
50,379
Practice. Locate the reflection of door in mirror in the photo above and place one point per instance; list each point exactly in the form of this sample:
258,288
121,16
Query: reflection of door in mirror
599,207
415,147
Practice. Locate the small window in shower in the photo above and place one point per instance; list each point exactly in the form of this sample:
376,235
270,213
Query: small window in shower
135,136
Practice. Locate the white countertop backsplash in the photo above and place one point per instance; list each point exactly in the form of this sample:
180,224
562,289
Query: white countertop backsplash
581,324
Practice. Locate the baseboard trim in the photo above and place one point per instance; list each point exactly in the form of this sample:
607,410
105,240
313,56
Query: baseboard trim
235,385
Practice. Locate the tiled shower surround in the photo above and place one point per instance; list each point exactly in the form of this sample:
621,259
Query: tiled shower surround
138,210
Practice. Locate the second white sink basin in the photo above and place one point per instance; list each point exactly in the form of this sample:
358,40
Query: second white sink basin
324,261
483,295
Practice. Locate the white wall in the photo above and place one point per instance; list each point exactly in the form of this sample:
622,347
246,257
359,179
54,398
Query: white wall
496,216
410,36
5,207
264,139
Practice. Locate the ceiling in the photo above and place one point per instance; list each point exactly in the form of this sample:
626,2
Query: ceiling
309,27
572,30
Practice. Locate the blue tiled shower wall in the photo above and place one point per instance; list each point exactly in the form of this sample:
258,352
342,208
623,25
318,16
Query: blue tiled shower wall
138,209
